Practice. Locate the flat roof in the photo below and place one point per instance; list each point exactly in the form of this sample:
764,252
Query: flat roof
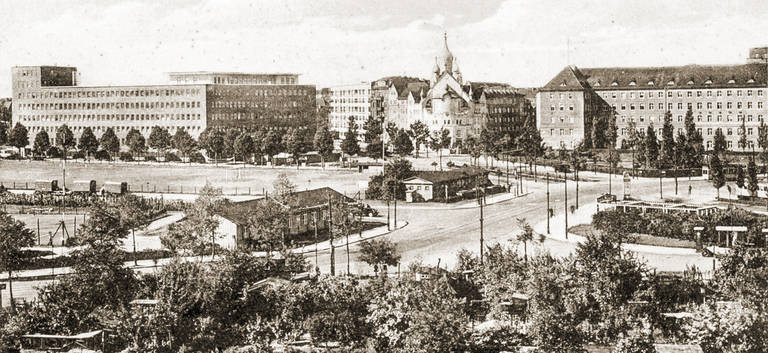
232,73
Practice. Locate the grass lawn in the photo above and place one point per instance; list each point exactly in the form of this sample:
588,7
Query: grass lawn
149,177
641,239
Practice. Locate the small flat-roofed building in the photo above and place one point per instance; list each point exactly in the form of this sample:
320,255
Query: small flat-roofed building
638,206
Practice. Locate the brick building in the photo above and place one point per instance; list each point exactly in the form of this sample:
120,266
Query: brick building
719,96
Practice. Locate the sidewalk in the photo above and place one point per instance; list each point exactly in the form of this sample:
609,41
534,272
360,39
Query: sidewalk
464,204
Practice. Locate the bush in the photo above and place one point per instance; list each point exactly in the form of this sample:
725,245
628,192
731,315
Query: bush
171,157
79,155
126,157
102,155
196,157
150,159
416,197
53,152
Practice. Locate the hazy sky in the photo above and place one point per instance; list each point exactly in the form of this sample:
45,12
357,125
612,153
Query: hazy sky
346,41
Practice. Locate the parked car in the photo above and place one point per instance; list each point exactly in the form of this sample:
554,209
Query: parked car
8,153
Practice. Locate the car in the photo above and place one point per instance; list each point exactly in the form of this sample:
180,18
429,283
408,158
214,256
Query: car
8,153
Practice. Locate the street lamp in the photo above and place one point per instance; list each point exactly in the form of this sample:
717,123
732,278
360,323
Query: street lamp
661,174
565,182
548,203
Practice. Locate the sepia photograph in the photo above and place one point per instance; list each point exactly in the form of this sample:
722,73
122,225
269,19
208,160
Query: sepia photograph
347,176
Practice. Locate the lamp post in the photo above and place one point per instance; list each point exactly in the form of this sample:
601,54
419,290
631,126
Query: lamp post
565,182
661,175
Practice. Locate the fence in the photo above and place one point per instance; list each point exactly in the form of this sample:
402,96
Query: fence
155,189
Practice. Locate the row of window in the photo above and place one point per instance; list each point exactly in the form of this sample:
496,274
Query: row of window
107,117
351,92
82,93
347,109
250,116
97,130
253,104
110,105
229,92
680,106
670,94
680,118
253,80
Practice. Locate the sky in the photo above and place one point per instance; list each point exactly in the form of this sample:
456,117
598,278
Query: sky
523,43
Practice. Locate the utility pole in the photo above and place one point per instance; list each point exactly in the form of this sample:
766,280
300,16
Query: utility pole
576,175
566,204
480,200
388,198
508,188
330,231
314,222
347,222
548,203
395,214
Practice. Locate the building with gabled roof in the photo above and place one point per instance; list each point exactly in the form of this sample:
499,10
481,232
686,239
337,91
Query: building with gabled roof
443,184
306,208
729,97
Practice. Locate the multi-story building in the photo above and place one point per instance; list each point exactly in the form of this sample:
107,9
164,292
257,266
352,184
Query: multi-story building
349,101
719,96
448,102
46,97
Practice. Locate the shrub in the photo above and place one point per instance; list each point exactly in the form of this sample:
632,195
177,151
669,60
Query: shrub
126,157
53,152
196,157
79,155
416,197
171,157
150,159
102,155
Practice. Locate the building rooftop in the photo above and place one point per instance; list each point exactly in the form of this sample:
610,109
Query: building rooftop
230,73
239,212
440,176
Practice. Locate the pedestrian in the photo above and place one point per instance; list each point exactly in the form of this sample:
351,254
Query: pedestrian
689,189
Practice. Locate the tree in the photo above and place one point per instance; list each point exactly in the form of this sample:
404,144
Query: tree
230,136
212,140
524,235
743,133
419,133
611,133
695,142
109,141
350,145
403,144
716,171
42,143
243,147
439,140
88,142
651,148
596,133
14,236
762,141
271,144
159,138
294,144
135,141
752,178
719,142
379,252
197,231
667,152
323,143
183,142
373,136
19,137
3,133
740,177
65,139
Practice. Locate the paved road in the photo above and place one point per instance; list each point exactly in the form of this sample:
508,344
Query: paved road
435,235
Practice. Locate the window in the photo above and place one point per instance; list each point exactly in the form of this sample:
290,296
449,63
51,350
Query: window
699,105
730,131
749,93
719,105
709,131
738,104
709,105
759,105
728,93
729,105
679,105
719,93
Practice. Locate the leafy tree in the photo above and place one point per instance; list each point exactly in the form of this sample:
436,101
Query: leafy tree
294,144
42,143
596,133
19,137
135,141
159,138
727,328
719,142
373,136
3,133
743,134
403,143
611,133
525,235
667,152
230,136
419,133
14,236
651,148
379,252
258,137
391,129
695,143
272,144
439,140
109,141
349,144
268,224
243,147
323,143
752,178
183,142
716,170
88,142
740,177
197,231
762,141
212,140
65,139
